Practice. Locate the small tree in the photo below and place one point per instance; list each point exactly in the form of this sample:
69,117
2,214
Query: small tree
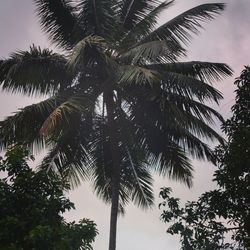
204,224
31,208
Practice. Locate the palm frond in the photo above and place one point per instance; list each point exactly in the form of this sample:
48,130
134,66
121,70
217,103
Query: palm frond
180,28
34,72
102,165
205,71
142,192
192,145
133,11
98,17
68,159
59,19
193,124
145,26
190,87
130,75
85,44
200,128
162,123
173,162
16,129
171,120
152,52
190,106
69,148
164,154
63,113
135,178
92,53
155,118
135,173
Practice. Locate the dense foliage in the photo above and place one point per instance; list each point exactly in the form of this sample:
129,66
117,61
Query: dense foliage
225,212
31,208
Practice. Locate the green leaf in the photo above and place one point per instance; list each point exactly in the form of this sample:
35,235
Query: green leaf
16,129
63,113
32,72
98,17
131,75
180,28
145,26
133,11
151,52
205,71
59,19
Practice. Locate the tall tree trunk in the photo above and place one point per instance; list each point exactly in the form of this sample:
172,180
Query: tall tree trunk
116,168
114,212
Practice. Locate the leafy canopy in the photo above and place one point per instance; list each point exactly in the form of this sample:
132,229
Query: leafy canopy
31,208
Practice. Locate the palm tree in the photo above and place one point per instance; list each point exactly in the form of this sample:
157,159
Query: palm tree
119,102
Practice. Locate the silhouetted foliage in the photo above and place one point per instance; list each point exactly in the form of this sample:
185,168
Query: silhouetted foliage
225,212
31,208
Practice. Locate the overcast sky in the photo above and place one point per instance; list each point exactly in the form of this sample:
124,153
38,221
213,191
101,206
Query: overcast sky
226,40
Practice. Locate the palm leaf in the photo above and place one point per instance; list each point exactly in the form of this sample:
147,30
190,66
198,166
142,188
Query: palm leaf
130,75
34,72
147,147
144,27
190,106
153,118
69,159
134,162
163,153
101,167
97,17
179,29
152,52
70,146
164,129
80,53
190,87
133,11
92,54
135,179
171,120
193,145
16,129
61,116
186,84
142,191
174,163
204,71
171,160
59,19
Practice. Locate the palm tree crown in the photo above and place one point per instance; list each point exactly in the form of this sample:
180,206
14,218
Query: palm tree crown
120,103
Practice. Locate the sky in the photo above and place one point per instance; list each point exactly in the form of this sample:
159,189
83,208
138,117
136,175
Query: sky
225,40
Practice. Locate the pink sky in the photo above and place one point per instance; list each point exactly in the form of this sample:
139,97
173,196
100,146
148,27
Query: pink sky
226,40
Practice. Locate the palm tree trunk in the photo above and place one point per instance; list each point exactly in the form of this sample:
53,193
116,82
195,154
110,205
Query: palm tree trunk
114,213
115,179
